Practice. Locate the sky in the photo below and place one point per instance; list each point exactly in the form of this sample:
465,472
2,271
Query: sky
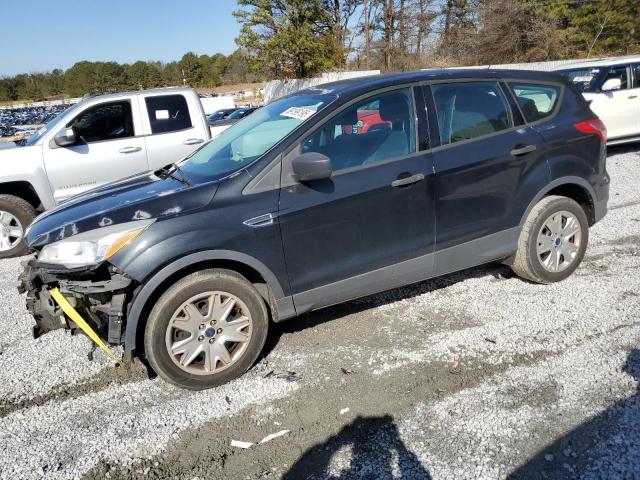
40,35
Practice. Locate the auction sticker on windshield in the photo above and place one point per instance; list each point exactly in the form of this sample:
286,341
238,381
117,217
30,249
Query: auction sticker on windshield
300,113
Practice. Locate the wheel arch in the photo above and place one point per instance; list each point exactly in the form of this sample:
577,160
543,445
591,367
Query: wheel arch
22,189
147,293
575,188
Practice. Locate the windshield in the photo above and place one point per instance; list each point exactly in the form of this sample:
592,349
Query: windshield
239,113
51,124
583,78
219,115
252,137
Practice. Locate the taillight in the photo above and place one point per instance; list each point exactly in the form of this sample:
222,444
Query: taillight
594,126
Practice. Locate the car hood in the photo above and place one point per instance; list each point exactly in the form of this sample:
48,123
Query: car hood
134,198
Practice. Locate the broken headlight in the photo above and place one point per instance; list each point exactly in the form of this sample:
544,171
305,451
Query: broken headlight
92,247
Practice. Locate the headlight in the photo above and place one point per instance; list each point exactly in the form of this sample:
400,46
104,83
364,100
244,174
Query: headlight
92,247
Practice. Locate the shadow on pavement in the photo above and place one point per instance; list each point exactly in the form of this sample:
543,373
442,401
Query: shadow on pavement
377,452
605,446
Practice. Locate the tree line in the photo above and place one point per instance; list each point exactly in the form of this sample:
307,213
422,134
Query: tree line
302,38
102,77
299,38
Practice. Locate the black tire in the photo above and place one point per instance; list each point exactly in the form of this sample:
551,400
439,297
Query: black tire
24,212
527,264
156,350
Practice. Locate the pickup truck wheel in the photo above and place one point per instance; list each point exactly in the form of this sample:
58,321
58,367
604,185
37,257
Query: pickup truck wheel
553,240
16,215
206,330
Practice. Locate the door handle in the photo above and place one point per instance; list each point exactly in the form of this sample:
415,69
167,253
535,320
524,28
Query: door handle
192,141
130,149
522,150
403,182
632,96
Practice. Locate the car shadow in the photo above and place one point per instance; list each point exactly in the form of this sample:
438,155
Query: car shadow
605,446
377,451
317,317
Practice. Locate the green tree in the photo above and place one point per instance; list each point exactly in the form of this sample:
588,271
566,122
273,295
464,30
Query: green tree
287,38
191,69
603,27
79,79
142,75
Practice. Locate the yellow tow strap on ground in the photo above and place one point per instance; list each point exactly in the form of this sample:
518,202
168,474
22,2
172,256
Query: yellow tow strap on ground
78,320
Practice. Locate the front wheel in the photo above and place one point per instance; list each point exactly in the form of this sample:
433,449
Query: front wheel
16,215
553,240
206,330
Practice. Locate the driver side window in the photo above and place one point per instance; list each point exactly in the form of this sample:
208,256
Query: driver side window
107,121
378,128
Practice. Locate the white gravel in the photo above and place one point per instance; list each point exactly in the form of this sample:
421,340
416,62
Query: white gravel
557,361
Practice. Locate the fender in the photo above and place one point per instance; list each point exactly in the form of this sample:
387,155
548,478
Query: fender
568,180
285,306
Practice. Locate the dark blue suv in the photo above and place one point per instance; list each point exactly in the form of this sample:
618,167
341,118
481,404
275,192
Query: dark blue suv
326,195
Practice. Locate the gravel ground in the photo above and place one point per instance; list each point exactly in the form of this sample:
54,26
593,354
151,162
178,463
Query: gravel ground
473,375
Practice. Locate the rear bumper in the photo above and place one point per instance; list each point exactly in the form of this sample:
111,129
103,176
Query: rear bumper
99,294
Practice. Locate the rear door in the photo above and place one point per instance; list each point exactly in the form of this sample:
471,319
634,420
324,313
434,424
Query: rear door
109,146
375,211
488,165
174,127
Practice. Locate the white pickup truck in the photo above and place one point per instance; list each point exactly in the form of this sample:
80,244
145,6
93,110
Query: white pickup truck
96,141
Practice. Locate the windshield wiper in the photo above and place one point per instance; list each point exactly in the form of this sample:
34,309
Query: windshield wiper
169,171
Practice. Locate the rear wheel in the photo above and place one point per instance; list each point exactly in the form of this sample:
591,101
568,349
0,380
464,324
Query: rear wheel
16,215
206,330
553,240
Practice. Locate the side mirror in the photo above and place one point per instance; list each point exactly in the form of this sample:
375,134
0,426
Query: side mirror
611,84
65,137
311,166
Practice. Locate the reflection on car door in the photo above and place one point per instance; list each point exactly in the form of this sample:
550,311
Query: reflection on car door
375,211
480,168
108,148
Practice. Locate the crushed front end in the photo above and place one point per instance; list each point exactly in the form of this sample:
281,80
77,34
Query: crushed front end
100,294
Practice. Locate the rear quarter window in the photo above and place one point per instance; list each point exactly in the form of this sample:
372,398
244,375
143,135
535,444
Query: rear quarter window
536,101
168,113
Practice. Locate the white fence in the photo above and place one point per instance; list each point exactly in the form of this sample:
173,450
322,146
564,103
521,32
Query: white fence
279,88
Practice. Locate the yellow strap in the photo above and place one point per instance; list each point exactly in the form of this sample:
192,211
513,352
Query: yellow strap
78,320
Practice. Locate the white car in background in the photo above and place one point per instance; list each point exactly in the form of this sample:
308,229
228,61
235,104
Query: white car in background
612,88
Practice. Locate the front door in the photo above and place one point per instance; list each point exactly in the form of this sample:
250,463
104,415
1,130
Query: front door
376,210
106,149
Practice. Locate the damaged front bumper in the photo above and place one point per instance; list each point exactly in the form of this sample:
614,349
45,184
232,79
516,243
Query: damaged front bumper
99,294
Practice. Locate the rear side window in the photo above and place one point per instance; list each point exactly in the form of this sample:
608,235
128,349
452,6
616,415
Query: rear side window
470,110
536,101
374,130
168,113
107,121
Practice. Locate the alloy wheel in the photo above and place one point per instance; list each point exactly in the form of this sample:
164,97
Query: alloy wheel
559,241
11,231
209,332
